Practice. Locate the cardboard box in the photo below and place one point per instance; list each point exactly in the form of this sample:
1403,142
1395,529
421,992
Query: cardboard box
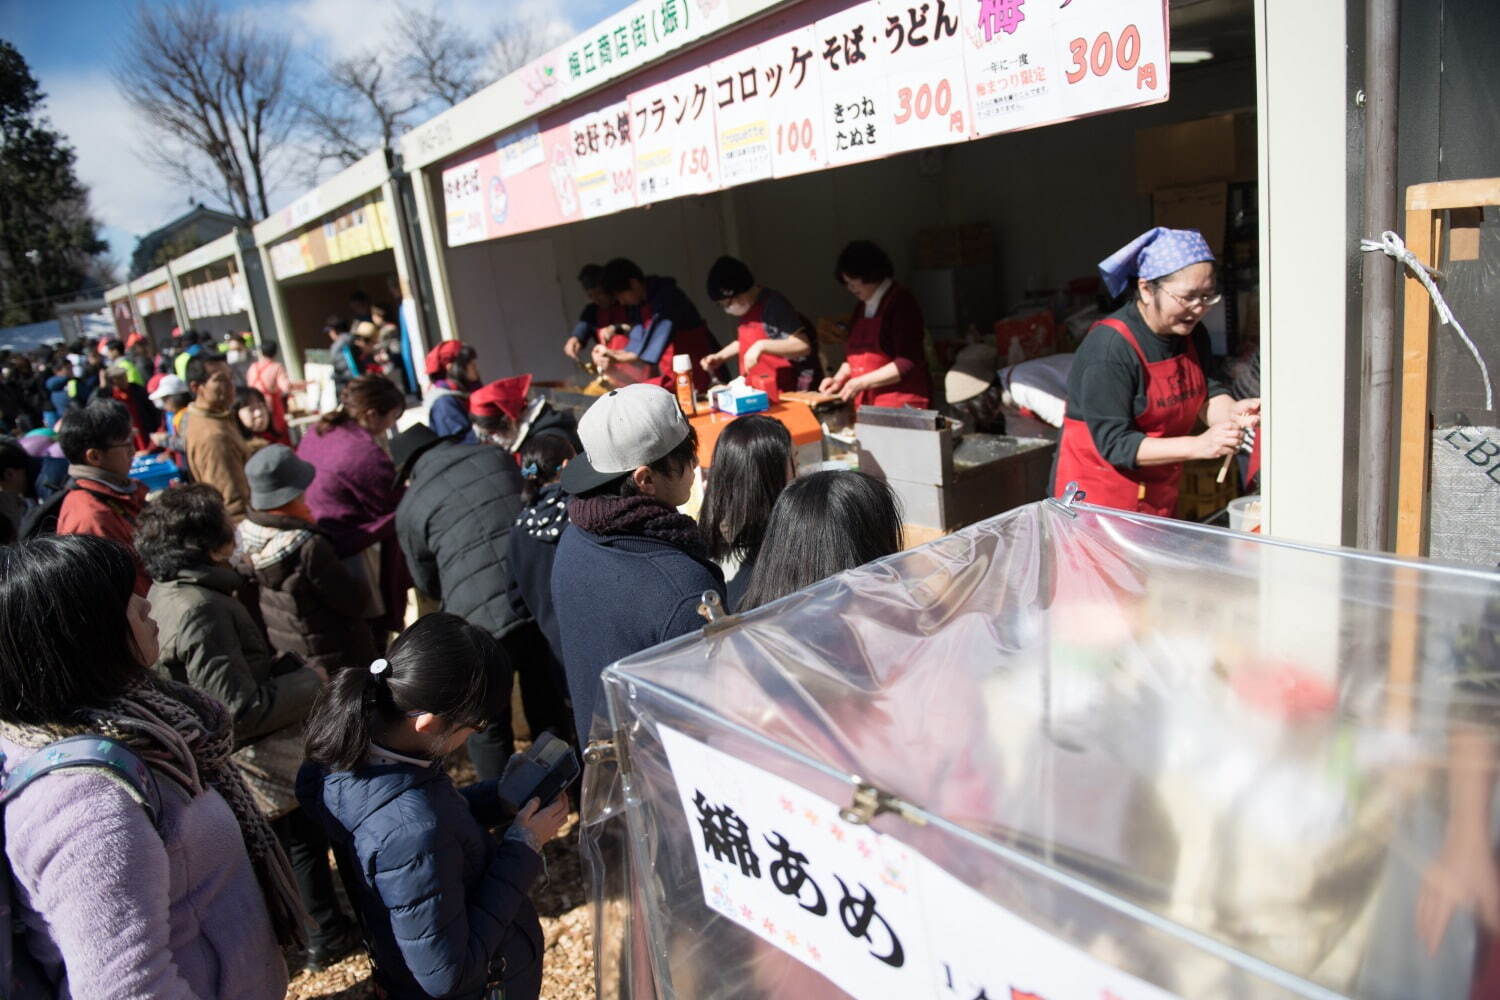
1221,148
1204,207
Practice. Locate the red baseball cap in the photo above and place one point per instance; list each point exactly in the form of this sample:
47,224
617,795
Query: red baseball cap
441,356
506,395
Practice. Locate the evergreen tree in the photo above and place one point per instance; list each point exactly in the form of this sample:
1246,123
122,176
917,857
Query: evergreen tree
48,239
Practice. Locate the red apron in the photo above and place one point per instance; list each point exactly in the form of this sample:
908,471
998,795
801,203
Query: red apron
865,356
1175,393
752,330
612,315
694,342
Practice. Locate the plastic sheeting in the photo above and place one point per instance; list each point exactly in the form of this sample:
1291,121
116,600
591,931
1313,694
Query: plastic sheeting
1131,757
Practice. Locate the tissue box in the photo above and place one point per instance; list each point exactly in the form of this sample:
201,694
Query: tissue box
740,402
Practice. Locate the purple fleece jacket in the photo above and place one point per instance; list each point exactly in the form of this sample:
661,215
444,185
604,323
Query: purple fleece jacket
355,494
116,910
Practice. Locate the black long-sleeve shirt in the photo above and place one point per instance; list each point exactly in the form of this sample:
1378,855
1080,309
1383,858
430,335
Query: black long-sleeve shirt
1107,386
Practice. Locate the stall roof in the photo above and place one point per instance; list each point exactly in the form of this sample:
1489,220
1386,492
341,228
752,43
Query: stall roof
121,291
150,280
209,253
541,84
340,189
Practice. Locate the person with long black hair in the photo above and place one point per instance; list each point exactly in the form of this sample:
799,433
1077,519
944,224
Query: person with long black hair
444,905
823,524
113,901
753,462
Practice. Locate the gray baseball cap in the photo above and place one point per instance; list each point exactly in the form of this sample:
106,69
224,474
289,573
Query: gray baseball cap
277,477
624,430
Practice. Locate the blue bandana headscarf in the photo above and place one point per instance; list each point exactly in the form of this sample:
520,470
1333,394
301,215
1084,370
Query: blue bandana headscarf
1154,254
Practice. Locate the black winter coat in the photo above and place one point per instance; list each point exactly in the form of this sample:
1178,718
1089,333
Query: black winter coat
312,605
533,546
454,527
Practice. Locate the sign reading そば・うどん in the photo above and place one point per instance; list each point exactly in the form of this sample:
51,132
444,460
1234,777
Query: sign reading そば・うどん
870,80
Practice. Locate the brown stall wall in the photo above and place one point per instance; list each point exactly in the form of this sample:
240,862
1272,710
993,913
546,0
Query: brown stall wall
308,305
159,326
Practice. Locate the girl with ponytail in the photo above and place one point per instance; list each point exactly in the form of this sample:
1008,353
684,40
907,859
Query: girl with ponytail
444,905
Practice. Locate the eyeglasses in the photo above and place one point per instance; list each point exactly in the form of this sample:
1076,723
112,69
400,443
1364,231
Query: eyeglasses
1194,301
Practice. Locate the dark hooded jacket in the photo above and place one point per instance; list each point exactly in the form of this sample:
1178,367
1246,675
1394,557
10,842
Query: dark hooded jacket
443,904
454,527
312,605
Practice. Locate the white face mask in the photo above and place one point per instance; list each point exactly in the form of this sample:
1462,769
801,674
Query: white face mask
737,308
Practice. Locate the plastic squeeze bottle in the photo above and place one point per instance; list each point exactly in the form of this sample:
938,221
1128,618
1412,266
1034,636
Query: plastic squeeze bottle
682,366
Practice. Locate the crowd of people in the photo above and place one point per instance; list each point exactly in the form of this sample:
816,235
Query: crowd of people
238,646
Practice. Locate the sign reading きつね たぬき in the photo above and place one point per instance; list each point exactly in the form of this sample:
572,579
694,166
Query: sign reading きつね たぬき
875,917
870,80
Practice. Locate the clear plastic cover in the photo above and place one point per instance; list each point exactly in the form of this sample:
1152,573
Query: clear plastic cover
1216,764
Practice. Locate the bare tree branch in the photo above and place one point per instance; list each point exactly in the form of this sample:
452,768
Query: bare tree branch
213,90
513,44
357,108
439,60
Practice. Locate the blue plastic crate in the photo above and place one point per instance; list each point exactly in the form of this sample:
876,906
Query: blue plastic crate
156,473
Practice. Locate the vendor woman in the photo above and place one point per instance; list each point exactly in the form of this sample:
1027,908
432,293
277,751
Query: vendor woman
886,364
1139,383
773,341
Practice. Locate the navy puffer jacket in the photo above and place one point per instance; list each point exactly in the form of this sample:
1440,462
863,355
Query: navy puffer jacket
444,905
454,527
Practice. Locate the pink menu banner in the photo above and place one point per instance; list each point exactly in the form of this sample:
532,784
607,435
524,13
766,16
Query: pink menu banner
778,98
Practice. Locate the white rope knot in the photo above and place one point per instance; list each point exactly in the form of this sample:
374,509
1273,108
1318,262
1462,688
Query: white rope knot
1391,245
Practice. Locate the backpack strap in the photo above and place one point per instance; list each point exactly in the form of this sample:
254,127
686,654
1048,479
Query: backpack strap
92,751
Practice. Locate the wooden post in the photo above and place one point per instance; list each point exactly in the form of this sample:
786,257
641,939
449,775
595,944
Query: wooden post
1424,238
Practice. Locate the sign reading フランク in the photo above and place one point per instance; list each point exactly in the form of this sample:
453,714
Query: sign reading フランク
875,917
870,80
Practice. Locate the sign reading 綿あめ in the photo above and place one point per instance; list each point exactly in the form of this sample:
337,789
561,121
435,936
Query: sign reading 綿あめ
869,913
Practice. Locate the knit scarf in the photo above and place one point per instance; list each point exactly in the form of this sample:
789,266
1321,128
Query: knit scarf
646,517
187,736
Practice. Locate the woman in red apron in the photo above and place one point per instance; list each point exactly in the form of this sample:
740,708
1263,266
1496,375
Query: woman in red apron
669,325
1138,388
773,342
886,363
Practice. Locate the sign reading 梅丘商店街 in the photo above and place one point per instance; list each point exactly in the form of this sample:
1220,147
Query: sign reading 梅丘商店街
873,79
869,913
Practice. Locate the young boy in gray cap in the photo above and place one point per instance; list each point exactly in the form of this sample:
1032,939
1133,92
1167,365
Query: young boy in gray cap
630,570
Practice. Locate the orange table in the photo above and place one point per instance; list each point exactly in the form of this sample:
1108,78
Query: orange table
798,418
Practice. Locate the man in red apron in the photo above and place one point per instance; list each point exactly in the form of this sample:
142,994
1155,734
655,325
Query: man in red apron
1138,387
669,324
603,321
886,363
773,342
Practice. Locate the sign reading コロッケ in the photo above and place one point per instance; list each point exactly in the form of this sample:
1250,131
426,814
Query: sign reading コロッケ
874,916
792,94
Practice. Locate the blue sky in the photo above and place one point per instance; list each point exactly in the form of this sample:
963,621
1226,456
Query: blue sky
70,45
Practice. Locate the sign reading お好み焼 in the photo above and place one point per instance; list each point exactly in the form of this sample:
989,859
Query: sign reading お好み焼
867,81
874,916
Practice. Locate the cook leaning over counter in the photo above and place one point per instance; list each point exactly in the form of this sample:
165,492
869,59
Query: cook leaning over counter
886,364
773,340
1139,385
667,324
